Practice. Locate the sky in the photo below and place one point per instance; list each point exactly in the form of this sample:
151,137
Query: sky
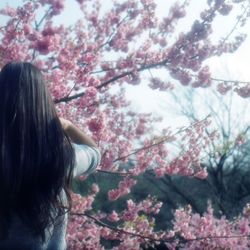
229,66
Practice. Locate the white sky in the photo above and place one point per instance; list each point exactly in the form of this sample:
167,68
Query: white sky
230,66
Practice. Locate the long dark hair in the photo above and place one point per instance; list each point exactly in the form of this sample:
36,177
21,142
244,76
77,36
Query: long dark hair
36,156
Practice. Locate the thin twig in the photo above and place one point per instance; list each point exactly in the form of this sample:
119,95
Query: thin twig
166,138
43,18
114,172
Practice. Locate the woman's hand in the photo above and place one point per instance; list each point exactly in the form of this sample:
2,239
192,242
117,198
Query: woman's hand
75,134
65,123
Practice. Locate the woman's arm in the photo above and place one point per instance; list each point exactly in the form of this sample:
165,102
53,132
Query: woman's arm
75,134
87,154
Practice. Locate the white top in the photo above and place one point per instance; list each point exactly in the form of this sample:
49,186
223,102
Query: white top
87,159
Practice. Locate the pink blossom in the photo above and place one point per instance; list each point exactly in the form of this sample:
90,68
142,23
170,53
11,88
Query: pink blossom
223,88
225,9
27,29
123,189
243,91
82,177
94,125
8,11
113,216
57,5
241,139
204,78
160,172
201,174
95,188
113,195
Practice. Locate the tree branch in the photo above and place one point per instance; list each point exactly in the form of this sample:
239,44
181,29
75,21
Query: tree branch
151,239
153,65
119,230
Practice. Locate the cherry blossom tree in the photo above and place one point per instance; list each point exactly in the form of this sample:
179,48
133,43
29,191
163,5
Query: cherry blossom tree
227,158
105,50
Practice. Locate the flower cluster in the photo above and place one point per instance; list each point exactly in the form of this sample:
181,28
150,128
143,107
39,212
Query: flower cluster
208,232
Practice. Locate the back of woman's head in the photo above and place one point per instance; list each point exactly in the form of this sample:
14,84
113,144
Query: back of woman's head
36,156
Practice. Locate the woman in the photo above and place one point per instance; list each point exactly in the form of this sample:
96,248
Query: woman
39,155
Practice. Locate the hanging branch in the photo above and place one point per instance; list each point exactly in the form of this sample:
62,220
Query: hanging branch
178,238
